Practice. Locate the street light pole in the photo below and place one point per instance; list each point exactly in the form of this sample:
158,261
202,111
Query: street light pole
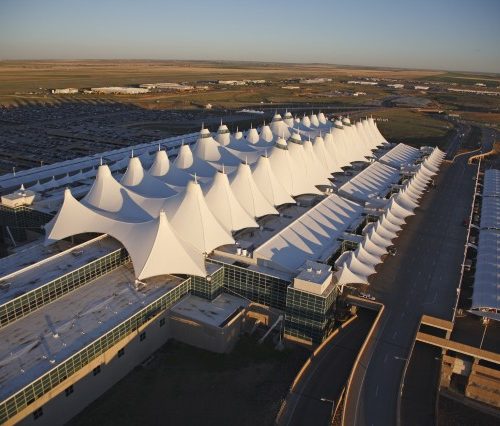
331,401
486,321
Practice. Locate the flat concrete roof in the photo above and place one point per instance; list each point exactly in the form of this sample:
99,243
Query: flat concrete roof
53,267
37,343
214,312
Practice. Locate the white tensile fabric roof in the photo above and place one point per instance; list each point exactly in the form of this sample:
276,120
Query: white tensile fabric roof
141,182
299,155
166,222
165,171
248,194
289,173
268,183
310,236
208,149
153,246
186,161
193,221
372,182
223,136
355,267
114,200
279,127
328,162
400,155
225,207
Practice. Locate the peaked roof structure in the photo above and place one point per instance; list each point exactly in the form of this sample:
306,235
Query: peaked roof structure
252,136
279,127
113,199
137,180
153,246
248,194
290,174
186,161
193,221
223,136
311,236
207,149
168,173
268,183
288,119
225,207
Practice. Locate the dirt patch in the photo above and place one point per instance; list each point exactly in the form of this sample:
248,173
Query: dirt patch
185,385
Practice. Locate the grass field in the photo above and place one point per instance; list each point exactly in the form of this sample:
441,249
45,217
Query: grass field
412,127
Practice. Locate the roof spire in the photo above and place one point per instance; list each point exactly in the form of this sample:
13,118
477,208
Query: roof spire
221,121
159,146
202,125
223,170
246,159
100,161
132,153
237,129
195,178
265,152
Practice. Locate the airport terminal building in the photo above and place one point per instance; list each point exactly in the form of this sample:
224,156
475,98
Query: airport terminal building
190,238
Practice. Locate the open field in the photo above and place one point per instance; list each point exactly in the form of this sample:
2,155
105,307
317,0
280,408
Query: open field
413,127
27,82
186,386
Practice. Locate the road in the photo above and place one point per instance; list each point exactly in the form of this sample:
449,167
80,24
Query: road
421,279
327,376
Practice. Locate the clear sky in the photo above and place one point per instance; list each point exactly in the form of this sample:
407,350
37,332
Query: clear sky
440,34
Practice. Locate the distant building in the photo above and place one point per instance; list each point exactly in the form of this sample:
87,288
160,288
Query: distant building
65,91
359,94
421,87
290,87
256,81
396,85
475,92
166,86
365,83
233,82
480,84
119,90
315,80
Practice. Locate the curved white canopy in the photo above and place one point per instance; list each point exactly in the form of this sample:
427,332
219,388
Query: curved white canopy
223,136
290,174
248,194
288,119
207,149
194,222
137,180
268,183
225,207
153,246
252,136
313,120
186,161
168,173
279,127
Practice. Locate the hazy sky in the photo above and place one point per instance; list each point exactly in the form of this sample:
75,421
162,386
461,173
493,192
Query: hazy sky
442,34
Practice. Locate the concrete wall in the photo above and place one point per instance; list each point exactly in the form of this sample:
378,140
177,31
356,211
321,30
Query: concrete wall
59,408
205,336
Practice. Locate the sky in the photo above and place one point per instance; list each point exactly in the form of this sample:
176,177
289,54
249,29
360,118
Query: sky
462,35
